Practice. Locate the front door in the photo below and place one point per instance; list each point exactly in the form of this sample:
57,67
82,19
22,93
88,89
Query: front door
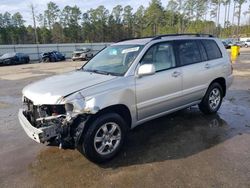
158,93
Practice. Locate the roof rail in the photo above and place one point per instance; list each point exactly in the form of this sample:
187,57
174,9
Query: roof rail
169,35
183,34
135,38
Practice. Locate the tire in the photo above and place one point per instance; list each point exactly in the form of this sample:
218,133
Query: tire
27,60
52,59
46,60
207,106
89,147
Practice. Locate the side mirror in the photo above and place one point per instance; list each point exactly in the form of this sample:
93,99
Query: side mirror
146,69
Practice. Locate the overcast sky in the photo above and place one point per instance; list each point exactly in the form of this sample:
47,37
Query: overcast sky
22,6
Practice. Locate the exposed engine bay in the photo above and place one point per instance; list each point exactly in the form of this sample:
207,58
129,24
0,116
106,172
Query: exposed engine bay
54,121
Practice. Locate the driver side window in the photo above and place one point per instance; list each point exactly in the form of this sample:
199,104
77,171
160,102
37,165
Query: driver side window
161,56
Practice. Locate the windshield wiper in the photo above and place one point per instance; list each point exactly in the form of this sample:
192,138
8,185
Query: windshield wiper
100,72
103,72
96,71
114,74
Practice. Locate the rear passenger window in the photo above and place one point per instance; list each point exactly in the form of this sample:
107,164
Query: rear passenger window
212,49
188,51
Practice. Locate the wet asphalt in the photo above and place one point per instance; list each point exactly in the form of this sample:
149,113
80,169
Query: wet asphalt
184,149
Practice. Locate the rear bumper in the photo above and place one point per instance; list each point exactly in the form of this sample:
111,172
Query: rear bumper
40,135
229,81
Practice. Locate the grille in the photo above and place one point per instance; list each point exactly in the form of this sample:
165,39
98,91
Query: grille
33,111
30,111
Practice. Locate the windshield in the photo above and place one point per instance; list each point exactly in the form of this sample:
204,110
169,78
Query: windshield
8,55
114,60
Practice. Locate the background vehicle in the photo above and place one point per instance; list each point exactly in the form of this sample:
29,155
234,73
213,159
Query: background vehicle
123,86
82,54
247,43
227,46
53,56
240,43
14,58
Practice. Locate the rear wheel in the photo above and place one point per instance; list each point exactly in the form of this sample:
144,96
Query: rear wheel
46,60
104,137
212,100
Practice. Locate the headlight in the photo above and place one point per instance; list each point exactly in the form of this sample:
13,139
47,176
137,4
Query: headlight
69,107
76,105
80,105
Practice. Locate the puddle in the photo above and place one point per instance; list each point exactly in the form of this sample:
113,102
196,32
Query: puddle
174,137
20,76
8,100
4,105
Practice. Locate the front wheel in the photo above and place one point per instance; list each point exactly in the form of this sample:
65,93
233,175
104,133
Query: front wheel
46,60
211,102
104,137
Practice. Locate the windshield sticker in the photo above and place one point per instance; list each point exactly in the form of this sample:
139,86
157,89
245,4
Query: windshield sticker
112,52
135,49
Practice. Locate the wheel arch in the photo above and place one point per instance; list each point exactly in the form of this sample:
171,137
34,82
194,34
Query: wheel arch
222,82
120,109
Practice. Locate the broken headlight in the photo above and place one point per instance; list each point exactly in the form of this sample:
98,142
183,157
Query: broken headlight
80,104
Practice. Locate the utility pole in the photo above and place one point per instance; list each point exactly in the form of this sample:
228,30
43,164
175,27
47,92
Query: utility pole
34,23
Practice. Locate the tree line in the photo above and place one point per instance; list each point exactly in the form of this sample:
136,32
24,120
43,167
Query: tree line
70,24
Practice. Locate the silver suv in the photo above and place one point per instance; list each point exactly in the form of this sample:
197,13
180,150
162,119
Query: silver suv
125,85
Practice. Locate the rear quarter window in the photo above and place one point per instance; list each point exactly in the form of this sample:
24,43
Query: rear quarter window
212,49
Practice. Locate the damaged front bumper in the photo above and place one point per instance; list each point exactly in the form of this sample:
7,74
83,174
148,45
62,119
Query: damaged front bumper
40,135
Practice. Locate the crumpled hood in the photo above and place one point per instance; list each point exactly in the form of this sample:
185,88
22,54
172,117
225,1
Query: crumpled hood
51,90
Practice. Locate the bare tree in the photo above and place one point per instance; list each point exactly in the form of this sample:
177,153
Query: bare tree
34,22
226,4
228,11
218,15
239,6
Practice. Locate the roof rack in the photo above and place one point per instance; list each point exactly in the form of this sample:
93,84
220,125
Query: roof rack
169,35
183,34
135,38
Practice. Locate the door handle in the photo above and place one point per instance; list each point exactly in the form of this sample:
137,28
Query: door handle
176,74
207,66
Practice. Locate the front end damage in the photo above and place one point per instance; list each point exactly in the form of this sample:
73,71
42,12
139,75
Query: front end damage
61,122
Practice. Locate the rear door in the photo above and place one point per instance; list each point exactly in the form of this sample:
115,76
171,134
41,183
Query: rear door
215,64
193,68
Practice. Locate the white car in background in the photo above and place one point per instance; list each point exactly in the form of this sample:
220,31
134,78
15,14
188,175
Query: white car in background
82,54
247,43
